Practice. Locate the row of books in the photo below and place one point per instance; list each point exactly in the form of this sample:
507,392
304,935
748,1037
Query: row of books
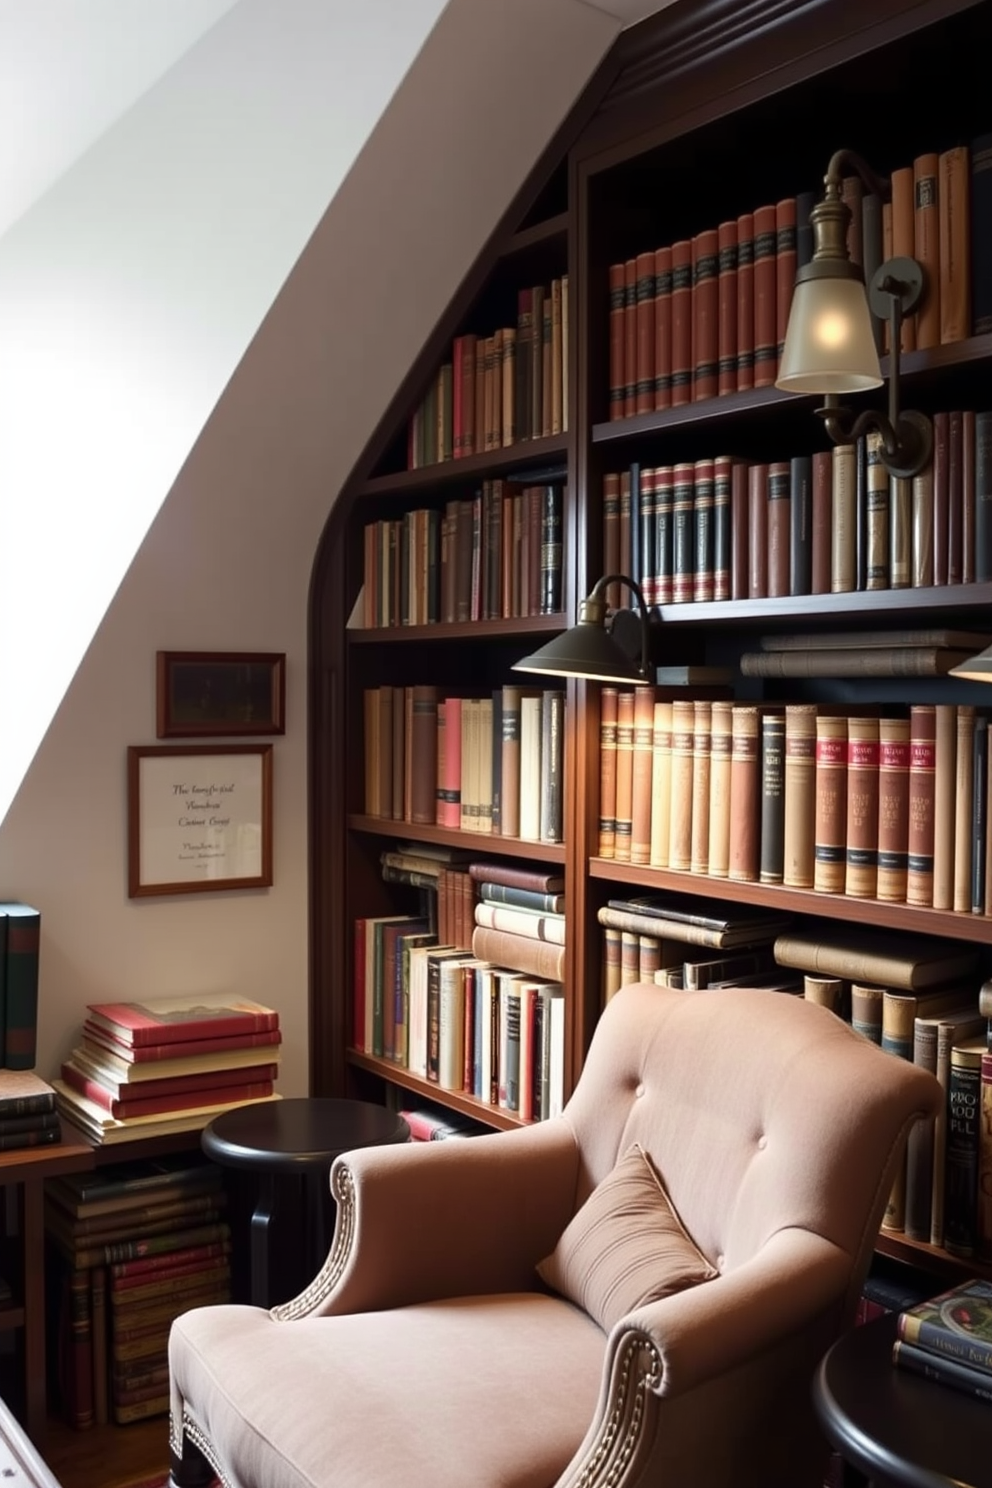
496,555
132,1246
801,794
490,764
28,1117
834,521
948,1338
707,316
167,1065
501,388
20,946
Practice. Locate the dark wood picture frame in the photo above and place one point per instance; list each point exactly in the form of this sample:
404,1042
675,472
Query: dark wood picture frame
199,818
216,693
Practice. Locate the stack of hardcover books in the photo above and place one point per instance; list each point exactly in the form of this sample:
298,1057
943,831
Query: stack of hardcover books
133,1246
167,1065
28,1117
949,1338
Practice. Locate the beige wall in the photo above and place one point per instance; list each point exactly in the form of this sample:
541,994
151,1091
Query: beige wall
227,561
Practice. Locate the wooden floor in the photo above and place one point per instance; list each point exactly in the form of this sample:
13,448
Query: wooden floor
107,1456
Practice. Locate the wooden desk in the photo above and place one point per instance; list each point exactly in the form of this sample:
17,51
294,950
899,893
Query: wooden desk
898,1428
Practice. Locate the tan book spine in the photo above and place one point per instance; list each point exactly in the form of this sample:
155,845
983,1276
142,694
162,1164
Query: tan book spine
649,957
607,771
757,541
800,795
699,856
611,961
861,878
630,957
920,805
625,775
884,961
900,532
904,235
827,992
877,502
893,808
539,958
721,748
954,211
745,799
843,547
510,767
830,811
945,774
964,797
641,772
926,228
680,820
921,537
661,784
866,1011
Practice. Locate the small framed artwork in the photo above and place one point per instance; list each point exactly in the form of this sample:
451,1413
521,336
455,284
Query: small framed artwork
220,692
199,818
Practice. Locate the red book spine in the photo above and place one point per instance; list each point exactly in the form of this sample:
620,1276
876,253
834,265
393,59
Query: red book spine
681,322
745,301
630,337
166,1259
133,1026
778,530
757,505
196,1089
644,316
785,268
145,1053
765,297
616,340
727,307
663,328
705,314
822,513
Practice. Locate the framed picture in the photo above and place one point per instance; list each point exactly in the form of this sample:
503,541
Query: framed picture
220,692
199,818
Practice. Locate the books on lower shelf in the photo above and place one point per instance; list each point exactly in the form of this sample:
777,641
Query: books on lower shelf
949,1338
28,1117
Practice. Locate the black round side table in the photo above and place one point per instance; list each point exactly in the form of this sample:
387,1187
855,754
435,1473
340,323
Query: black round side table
289,1145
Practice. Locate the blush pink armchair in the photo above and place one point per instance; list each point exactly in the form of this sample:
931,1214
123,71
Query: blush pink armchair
427,1352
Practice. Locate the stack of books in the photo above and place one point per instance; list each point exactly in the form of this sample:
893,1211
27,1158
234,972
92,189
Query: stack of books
949,1339
167,1065
28,1117
133,1246
520,919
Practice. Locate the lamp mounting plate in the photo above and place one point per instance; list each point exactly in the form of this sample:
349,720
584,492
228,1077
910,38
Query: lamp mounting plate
900,277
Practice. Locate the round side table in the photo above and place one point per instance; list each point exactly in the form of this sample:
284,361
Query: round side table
289,1145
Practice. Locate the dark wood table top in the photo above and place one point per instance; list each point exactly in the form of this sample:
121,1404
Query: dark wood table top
296,1134
896,1426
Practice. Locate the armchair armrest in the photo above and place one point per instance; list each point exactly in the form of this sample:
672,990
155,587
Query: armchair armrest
443,1219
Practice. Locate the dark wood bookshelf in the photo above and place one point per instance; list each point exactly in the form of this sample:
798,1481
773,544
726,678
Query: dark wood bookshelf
699,114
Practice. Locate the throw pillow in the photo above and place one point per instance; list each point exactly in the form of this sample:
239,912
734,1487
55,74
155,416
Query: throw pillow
626,1246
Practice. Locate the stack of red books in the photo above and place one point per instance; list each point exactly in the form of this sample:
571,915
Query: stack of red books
167,1065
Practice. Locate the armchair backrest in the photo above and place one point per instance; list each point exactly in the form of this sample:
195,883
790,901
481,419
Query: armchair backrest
760,1110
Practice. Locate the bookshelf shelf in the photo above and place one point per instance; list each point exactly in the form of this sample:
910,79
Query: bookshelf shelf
394,1074
872,610
528,455
479,630
551,230
483,844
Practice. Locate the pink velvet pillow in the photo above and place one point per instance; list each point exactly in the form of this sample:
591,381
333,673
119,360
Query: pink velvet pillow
626,1246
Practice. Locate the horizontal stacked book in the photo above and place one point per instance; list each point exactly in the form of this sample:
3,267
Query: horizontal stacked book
949,1339
491,764
167,1065
431,1124
132,1247
28,1117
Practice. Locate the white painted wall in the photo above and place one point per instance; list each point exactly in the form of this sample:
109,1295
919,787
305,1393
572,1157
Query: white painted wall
150,315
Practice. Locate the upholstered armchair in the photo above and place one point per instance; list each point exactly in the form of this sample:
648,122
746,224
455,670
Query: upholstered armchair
703,1212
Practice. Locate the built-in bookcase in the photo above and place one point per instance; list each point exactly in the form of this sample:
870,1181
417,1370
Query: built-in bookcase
697,119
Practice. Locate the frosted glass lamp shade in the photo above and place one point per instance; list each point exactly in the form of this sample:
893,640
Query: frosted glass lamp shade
829,344
977,668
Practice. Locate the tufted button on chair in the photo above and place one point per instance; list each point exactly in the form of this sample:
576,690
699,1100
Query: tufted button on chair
428,1351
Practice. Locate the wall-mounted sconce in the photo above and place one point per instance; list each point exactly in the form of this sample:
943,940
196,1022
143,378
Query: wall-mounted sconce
976,668
588,649
829,344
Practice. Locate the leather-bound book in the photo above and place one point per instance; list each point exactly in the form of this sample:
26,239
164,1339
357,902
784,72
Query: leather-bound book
945,774
779,529
463,396
644,326
904,235
557,359
641,775
926,226
871,251
705,314
830,804
680,817
920,805
980,805
721,746
745,301
772,854
607,770
611,530
805,202
955,497
703,513
785,267
757,541
800,795
740,547
663,327
921,508
861,878
826,992
980,152
723,532
877,504
765,297
664,529
961,1155
969,514
983,496
629,335
801,524
682,321
727,307
964,803
822,511
941,496
625,775
745,793
893,808
423,749
699,851
843,546
900,531
649,531
661,783
616,373
683,531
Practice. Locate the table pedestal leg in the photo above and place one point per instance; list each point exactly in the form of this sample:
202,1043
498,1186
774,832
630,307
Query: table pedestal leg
261,1224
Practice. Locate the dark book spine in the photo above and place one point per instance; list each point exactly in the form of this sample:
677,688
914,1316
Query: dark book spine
955,497
801,524
772,859
616,307
723,532
980,813
636,569
683,532
981,235
757,531
822,510
961,1157
551,551
702,506
648,526
983,496
21,1016
552,765
940,497
664,518
860,534
805,202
